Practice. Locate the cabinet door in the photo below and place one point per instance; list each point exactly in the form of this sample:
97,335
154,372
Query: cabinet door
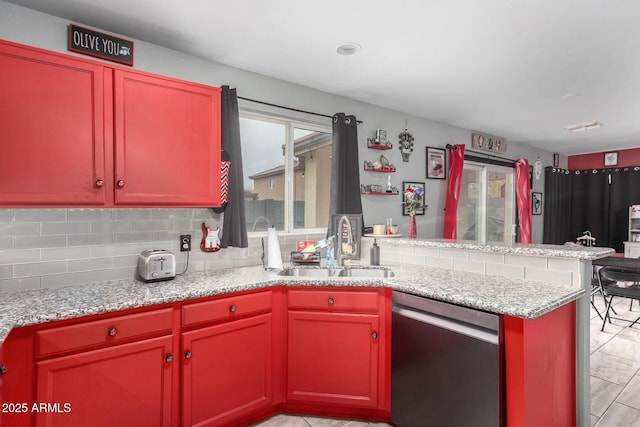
167,141
51,129
227,371
127,385
333,358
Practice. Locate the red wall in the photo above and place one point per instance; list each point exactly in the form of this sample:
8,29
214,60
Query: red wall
630,157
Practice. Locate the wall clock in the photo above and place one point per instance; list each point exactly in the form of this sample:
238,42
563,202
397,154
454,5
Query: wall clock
611,159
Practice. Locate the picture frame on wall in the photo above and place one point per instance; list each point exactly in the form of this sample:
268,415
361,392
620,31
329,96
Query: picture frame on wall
414,185
536,203
436,163
611,159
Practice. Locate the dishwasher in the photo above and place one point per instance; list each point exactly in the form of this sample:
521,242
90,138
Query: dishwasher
447,365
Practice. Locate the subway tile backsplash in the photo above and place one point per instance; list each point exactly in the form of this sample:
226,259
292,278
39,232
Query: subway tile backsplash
42,248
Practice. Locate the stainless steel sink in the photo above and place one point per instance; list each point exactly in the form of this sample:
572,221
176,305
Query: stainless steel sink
366,272
300,271
309,272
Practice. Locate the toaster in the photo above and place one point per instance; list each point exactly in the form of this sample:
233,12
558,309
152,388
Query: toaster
156,264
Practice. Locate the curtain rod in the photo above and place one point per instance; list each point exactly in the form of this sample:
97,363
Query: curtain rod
466,150
289,108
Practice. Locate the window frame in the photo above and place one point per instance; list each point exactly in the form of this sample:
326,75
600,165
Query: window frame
290,124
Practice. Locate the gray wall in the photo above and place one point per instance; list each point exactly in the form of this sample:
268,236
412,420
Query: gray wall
28,27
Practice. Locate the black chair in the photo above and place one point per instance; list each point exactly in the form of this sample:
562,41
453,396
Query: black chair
608,278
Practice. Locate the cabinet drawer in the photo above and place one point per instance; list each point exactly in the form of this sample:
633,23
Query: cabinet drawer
102,332
334,300
226,308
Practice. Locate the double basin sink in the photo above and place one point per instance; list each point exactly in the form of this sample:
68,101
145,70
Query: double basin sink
364,272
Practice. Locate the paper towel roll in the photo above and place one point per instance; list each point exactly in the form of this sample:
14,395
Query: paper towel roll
274,256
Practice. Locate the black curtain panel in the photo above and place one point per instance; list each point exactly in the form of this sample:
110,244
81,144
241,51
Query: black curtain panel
345,176
590,204
625,191
234,228
557,206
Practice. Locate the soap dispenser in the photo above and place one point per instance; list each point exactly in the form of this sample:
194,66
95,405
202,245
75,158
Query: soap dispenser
374,255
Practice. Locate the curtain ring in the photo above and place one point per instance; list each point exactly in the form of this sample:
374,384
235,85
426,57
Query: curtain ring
637,168
595,171
347,120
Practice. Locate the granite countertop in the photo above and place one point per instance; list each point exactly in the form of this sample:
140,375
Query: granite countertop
556,251
514,297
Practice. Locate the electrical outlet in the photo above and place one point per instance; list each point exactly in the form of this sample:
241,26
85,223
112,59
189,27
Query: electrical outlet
185,242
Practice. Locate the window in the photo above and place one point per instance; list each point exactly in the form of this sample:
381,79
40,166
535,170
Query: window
287,173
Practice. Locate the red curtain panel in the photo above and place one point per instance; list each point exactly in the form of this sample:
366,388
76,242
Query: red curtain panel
523,199
456,165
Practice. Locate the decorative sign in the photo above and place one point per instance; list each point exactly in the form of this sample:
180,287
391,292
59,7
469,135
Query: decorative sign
488,143
100,45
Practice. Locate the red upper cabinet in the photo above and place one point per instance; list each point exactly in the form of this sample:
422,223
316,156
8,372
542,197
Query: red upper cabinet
51,128
167,141
75,132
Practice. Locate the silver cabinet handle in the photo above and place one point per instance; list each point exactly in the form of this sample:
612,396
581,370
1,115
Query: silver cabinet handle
120,183
331,301
232,308
188,354
3,369
112,332
374,335
169,358
99,183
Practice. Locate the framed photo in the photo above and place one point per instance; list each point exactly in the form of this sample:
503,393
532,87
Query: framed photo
611,159
350,244
436,163
536,203
414,185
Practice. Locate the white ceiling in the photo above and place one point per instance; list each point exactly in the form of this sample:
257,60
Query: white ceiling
518,69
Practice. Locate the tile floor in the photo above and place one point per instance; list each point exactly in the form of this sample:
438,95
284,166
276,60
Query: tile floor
615,368
615,377
308,421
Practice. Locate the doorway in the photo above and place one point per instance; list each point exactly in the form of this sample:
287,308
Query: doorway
487,208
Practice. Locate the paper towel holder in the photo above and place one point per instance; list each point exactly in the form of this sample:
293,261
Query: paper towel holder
273,255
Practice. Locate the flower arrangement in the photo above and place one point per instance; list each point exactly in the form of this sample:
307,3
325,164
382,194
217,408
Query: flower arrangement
413,199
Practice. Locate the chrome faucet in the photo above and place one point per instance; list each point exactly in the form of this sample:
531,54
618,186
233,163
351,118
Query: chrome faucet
346,243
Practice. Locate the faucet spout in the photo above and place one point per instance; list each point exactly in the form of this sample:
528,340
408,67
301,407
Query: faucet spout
346,242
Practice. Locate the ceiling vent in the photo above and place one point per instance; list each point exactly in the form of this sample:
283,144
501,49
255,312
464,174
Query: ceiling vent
583,126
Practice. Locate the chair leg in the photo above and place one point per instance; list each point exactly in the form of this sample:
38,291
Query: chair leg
596,309
606,314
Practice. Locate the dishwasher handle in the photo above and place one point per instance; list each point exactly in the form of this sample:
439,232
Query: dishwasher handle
463,328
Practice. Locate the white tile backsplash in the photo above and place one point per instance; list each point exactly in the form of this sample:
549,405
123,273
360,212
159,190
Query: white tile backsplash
548,275
505,270
36,242
60,247
527,261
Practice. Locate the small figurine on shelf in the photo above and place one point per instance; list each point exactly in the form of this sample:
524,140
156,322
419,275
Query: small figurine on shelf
389,188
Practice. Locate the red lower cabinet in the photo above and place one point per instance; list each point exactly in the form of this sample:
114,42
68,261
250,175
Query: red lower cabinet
333,358
126,385
337,349
227,371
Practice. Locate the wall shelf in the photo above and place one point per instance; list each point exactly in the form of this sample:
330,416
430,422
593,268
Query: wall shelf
384,170
380,146
380,193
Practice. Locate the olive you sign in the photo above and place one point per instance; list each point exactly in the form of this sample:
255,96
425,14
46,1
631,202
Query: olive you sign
100,45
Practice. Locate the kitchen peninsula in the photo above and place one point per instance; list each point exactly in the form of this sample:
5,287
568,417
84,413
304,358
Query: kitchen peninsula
505,280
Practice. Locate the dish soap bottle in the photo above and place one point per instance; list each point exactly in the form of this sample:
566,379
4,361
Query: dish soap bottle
374,254
330,252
